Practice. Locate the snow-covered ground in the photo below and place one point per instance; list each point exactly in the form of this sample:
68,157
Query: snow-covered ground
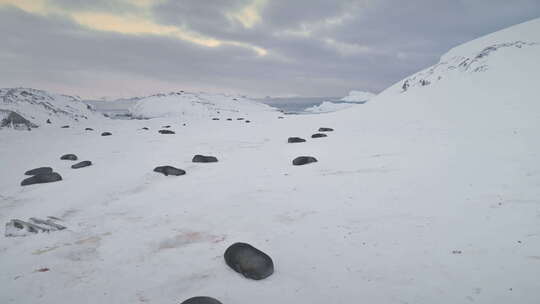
429,194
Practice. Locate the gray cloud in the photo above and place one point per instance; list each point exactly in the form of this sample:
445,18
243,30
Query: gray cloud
351,45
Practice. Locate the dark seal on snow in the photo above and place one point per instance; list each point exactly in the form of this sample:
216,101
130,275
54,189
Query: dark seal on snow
249,261
65,127
204,159
145,128
318,135
304,160
201,300
229,119
169,170
85,163
166,132
326,129
42,178
40,170
89,129
69,157
106,134
292,140
215,118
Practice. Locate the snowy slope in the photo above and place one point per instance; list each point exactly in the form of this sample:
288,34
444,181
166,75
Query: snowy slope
429,195
196,106
38,106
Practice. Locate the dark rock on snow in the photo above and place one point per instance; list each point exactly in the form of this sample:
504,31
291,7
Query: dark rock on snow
295,140
318,135
304,160
326,129
69,157
48,121
169,170
166,132
201,300
40,170
106,134
42,178
204,159
82,164
249,261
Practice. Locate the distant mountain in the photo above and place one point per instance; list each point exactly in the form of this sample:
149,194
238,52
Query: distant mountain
29,108
358,97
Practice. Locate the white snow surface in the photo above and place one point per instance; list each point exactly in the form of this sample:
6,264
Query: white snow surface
201,105
423,196
37,106
328,106
358,97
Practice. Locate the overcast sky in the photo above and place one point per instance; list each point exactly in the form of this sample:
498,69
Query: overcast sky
121,48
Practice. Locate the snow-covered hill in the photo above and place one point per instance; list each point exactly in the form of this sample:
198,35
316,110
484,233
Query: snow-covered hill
483,54
424,195
186,105
38,107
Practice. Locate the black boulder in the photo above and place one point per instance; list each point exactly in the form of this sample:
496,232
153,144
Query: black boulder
249,261
42,178
204,159
166,132
40,170
69,157
304,160
326,129
169,170
82,164
201,300
292,140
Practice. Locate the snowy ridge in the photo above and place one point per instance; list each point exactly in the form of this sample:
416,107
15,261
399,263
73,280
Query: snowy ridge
195,106
38,106
475,56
